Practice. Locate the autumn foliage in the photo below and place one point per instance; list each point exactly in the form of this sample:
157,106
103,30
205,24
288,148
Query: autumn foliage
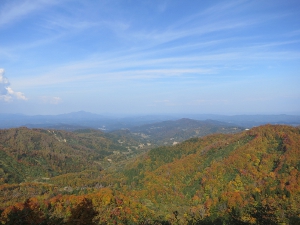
252,177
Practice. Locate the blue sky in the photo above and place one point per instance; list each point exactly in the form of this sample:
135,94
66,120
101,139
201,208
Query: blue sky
150,56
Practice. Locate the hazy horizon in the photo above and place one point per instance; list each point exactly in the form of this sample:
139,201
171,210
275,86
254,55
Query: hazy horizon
181,115
150,57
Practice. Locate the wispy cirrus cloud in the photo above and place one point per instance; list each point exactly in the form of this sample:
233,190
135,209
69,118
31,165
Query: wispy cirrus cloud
15,10
147,66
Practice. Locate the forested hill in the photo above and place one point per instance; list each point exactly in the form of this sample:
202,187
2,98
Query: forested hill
252,177
30,154
222,176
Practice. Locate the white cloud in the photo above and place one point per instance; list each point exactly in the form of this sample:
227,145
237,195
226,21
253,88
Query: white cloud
6,92
4,83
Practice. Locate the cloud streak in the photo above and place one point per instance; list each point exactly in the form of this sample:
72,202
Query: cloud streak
142,66
16,10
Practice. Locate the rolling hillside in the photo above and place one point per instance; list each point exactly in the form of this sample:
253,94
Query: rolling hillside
220,176
29,154
252,177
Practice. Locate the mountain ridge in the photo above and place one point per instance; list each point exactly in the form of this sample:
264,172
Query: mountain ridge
115,122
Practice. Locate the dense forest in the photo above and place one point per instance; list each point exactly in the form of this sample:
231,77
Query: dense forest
57,177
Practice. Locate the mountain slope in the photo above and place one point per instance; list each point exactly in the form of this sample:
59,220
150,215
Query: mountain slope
28,154
252,177
220,174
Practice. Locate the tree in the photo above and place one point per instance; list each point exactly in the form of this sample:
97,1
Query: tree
83,214
27,213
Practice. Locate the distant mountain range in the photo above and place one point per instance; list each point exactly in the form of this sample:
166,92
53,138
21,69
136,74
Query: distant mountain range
172,132
249,121
82,119
77,120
